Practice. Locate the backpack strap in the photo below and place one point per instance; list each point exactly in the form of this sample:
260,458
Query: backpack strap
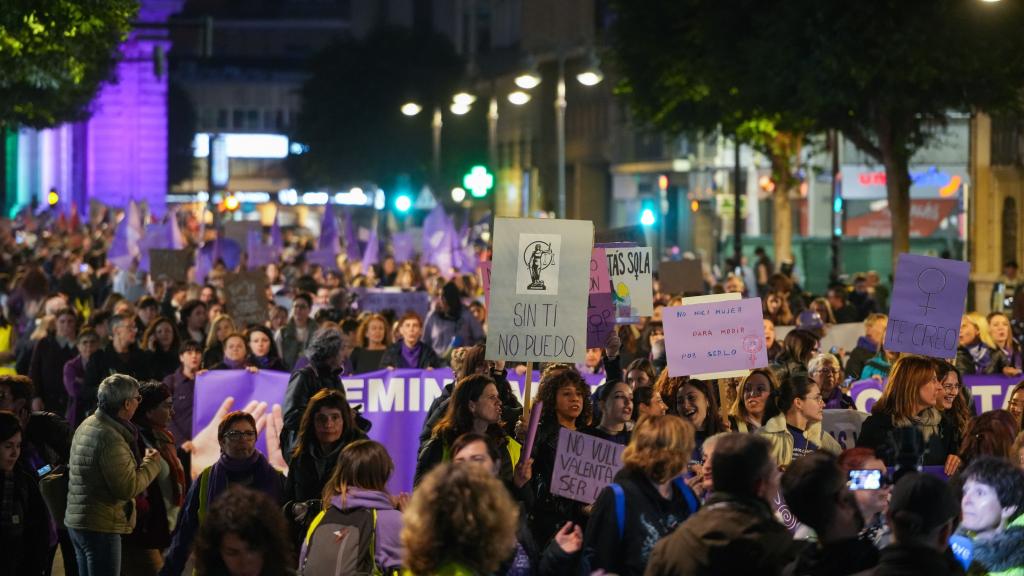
691,498
620,508
314,524
373,545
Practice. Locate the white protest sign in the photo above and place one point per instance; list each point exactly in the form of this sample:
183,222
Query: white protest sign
584,465
631,275
539,290
714,337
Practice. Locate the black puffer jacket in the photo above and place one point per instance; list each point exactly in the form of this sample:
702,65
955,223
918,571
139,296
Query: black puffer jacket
549,512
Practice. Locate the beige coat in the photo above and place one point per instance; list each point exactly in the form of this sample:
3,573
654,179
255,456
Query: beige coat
782,440
103,477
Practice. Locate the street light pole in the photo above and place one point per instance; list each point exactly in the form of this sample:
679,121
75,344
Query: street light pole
560,133
436,125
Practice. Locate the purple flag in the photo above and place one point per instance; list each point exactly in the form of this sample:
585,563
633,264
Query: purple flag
177,241
351,243
157,236
125,246
329,230
437,243
224,249
402,246
203,267
370,257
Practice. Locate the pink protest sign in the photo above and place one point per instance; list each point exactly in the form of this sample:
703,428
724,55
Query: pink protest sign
584,465
485,276
715,339
600,319
599,279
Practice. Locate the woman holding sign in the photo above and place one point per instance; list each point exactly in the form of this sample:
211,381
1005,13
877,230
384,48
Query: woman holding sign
794,421
475,407
906,422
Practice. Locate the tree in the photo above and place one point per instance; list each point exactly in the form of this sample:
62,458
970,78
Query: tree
887,73
54,54
686,66
350,115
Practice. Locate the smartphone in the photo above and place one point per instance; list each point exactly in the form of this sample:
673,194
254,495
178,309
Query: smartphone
864,480
83,268
44,470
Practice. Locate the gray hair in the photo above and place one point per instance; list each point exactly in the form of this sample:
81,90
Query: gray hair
325,344
114,391
818,362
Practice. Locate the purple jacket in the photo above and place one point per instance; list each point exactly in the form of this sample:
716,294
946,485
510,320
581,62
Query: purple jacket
74,379
389,524
181,389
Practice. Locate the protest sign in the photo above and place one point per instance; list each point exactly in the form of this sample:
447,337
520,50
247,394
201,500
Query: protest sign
485,280
584,465
720,339
538,302
239,230
927,306
169,264
394,401
599,279
600,319
990,392
632,234
844,425
379,300
681,277
246,294
631,277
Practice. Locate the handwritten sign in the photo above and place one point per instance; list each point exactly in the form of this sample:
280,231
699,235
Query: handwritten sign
377,300
600,319
708,339
584,465
631,277
538,304
681,277
599,279
169,264
927,305
246,297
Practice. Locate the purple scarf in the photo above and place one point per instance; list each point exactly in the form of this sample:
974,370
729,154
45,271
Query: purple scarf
835,401
264,477
411,355
234,365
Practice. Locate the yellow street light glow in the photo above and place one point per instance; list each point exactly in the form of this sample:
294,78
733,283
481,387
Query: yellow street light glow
463,99
590,77
411,108
459,109
528,80
519,97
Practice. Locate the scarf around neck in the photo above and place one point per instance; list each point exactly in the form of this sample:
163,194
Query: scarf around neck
412,355
264,477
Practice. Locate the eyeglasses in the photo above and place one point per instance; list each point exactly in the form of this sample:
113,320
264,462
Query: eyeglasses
817,398
236,435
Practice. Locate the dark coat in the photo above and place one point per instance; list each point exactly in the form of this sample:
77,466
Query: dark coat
291,346
898,560
106,362
549,512
878,432
847,557
47,372
728,536
302,385
437,450
428,358
648,519
163,364
859,356
182,389
26,547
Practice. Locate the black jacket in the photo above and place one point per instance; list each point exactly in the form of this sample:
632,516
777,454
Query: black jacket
648,519
26,540
511,408
850,556
304,383
163,364
309,473
549,512
856,361
437,450
897,560
428,358
47,372
106,362
879,433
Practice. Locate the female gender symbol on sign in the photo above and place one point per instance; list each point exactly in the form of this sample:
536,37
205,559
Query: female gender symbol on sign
752,345
930,281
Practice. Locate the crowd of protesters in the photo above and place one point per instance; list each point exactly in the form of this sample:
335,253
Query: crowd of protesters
99,461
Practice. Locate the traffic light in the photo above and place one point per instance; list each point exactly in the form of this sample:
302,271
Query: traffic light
478,181
229,203
663,182
403,203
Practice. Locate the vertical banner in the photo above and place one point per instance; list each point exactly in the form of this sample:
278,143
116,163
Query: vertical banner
927,305
538,299
631,277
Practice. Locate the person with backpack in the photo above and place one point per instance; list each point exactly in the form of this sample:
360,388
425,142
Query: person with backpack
359,531
646,502
328,425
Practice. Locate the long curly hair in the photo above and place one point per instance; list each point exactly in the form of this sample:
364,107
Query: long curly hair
459,513
256,519
551,381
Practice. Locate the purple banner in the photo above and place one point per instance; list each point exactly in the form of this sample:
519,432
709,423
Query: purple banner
989,392
395,401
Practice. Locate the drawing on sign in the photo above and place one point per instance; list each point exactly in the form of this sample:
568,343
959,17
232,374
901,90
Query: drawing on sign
752,344
930,281
539,271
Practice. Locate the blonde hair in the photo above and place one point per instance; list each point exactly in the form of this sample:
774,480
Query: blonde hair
899,398
211,336
981,324
660,447
459,513
738,409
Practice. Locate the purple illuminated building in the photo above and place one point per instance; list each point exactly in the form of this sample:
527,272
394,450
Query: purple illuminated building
120,153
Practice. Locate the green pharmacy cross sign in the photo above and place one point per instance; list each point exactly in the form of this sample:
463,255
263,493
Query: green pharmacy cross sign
478,181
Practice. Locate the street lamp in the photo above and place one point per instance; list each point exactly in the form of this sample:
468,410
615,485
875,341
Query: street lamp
530,78
459,108
463,99
518,97
411,108
591,75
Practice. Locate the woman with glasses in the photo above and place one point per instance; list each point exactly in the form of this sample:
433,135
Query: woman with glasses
794,421
906,422
826,372
747,412
240,463
957,405
162,500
